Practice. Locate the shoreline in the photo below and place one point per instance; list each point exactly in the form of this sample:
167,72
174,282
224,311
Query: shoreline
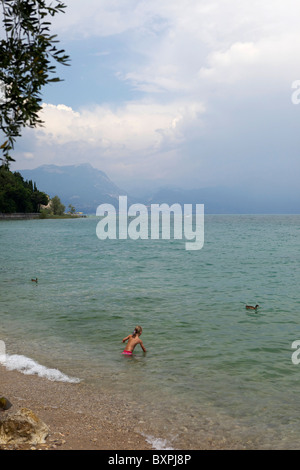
79,418
38,216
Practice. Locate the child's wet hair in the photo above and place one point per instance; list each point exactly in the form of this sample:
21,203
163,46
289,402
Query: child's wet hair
137,331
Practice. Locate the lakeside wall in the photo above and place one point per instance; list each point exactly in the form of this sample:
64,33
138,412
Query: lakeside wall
19,216
36,215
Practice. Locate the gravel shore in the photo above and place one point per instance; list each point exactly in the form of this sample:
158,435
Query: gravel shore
79,418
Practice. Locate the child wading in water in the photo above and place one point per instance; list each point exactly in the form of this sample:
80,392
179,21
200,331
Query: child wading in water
133,340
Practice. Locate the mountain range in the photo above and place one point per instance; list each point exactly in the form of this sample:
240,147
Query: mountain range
82,186
85,187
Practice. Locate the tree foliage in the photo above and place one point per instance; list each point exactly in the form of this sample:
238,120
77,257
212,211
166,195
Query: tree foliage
18,195
57,208
72,209
28,57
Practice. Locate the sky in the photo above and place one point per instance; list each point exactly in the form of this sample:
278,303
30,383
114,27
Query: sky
186,93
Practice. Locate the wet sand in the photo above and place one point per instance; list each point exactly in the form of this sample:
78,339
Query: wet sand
79,418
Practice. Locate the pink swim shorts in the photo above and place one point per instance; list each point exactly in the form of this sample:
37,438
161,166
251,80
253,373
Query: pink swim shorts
127,353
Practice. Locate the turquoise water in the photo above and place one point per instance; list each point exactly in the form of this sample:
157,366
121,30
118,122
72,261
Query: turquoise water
213,370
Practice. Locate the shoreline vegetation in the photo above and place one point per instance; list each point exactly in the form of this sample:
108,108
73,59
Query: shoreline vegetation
18,195
63,216
21,200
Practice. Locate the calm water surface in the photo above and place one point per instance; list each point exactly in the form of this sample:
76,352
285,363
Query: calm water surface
213,370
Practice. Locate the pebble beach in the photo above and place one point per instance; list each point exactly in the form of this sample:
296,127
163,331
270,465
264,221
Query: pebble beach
78,417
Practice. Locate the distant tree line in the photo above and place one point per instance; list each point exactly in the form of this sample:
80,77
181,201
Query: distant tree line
18,195
55,207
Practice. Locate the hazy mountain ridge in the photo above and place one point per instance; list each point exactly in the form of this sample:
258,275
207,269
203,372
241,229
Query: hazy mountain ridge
86,187
80,185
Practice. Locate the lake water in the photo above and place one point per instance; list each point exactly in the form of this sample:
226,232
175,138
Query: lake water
213,371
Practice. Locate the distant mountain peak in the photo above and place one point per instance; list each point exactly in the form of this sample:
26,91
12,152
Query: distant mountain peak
82,183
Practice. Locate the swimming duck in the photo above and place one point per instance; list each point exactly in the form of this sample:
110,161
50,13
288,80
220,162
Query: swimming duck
35,280
249,307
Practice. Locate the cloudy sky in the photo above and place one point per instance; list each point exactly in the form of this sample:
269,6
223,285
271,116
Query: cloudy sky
191,93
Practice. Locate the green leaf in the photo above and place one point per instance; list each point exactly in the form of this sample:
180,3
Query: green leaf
26,60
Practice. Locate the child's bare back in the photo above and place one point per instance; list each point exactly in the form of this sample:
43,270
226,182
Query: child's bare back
132,341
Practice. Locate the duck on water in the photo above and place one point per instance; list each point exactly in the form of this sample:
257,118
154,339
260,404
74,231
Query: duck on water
250,307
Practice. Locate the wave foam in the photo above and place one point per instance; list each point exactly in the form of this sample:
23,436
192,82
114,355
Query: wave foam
157,443
30,367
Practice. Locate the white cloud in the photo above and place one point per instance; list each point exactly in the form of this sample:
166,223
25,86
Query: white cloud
201,74
133,139
28,155
238,56
176,46
144,126
264,64
105,18
208,19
